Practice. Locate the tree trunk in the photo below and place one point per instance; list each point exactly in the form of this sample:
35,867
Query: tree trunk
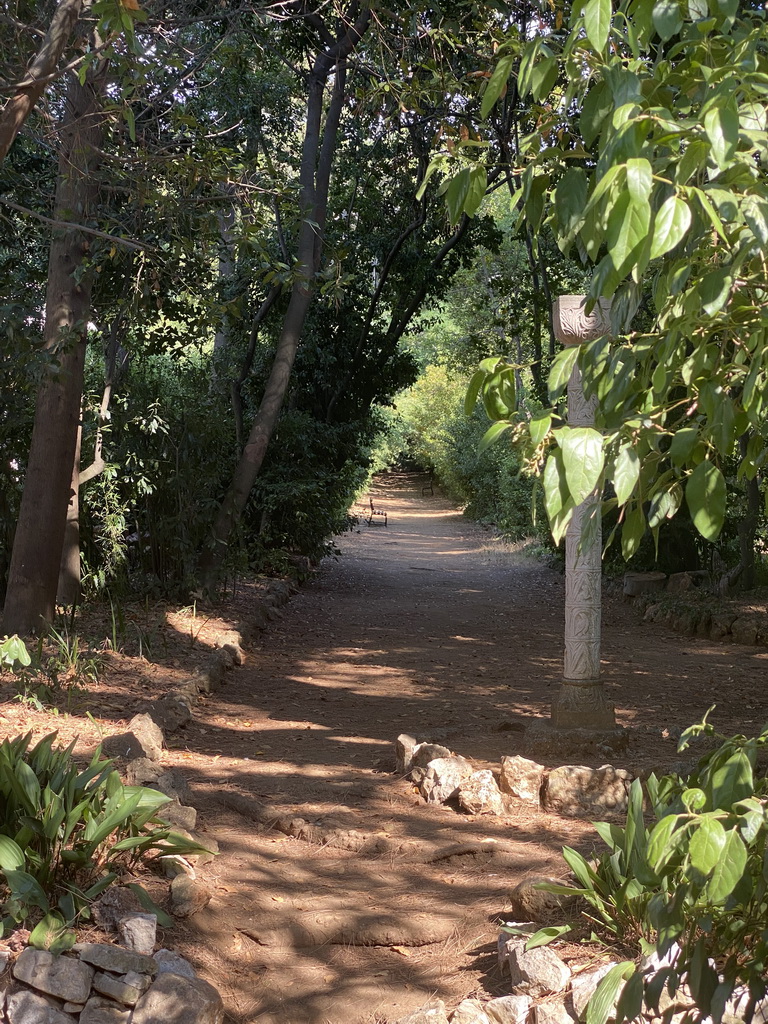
318,150
68,589
37,549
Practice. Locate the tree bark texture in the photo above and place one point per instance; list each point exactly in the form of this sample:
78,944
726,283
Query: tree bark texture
318,150
31,88
37,549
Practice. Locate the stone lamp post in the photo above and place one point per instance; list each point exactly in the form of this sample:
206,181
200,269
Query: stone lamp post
582,702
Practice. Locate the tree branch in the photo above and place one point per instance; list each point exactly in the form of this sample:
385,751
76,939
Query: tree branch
28,92
69,225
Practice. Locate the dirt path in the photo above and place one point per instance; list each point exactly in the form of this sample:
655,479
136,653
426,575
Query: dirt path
425,626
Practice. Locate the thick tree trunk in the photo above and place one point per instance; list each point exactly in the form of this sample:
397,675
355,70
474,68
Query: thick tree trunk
316,162
37,549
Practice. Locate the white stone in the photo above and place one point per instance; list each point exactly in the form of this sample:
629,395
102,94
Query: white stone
427,1015
138,932
443,778
553,1011
508,1009
522,778
575,790
115,958
470,1011
479,794
537,972
423,753
404,748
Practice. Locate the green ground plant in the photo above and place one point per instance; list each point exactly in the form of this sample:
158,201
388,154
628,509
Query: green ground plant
686,898
66,833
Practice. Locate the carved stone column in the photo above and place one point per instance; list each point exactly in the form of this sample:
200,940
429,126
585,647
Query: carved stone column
582,702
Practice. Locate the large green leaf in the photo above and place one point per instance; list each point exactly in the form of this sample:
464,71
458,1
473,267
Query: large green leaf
561,371
594,110
633,531
639,179
626,473
728,870
493,433
583,459
11,855
555,491
732,782
600,1006
628,226
706,845
543,78
597,22
705,495
497,83
670,226
721,123
666,18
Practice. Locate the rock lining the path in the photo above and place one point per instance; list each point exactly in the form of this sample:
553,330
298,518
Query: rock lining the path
97,983
570,790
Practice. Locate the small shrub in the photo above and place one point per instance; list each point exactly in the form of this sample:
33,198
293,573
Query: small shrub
66,832
692,889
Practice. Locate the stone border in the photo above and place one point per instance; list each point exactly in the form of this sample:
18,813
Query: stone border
570,790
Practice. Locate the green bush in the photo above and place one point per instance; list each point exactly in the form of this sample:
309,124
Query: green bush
692,889
65,834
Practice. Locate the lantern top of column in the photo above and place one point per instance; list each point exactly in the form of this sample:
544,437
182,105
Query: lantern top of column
573,325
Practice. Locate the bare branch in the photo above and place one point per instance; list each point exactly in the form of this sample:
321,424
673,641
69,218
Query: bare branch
69,225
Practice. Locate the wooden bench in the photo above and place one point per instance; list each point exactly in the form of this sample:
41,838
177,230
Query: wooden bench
428,487
372,512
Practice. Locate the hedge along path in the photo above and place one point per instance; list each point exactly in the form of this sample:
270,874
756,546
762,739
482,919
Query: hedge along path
339,895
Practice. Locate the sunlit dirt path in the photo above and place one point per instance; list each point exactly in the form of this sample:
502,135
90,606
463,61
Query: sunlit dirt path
427,626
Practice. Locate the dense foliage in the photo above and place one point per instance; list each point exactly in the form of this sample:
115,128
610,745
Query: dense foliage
685,898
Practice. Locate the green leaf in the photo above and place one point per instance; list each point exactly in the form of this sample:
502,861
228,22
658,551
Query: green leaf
478,183
706,845
456,195
570,198
705,495
715,289
728,870
497,83
600,1006
721,123
554,484
755,212
561,370
543,78
664,842
539,426
683,443
493,433
470,400
597,22
583,459
666,18
639,179
626,473
628,226
546,935
732,782
25,888
52,934
596,107
632,532
670,226
11,855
